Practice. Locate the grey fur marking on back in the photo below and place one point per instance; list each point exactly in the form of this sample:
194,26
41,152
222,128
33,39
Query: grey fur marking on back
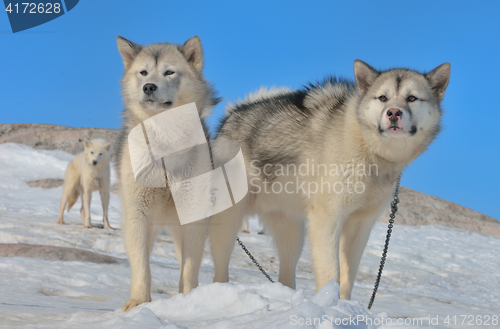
267,129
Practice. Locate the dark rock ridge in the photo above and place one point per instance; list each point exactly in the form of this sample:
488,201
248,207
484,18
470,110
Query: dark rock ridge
53,253
55,182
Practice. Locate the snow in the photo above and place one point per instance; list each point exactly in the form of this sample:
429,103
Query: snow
432,272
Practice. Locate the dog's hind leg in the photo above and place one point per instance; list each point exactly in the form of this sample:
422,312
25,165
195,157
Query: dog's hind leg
222,231
64,201
288,235
82,211
68,190
105,203
245,226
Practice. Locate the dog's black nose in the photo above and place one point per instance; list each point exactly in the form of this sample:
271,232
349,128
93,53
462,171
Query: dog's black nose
149,88
94,162
394,114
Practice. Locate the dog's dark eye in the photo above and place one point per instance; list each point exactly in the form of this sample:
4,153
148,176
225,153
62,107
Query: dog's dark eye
91,152
100,153
411,98
382,98
169,72
144,72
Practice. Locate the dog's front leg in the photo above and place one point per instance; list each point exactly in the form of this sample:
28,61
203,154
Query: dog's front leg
355,234
86,200
189,241
137,238
325,228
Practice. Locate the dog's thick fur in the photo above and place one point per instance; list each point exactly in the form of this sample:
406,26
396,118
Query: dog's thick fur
176,73
383,122
87,173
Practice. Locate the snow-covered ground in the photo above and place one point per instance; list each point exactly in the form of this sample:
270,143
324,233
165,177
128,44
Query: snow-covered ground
433,274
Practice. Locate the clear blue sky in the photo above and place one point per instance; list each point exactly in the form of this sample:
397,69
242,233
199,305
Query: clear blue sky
67,71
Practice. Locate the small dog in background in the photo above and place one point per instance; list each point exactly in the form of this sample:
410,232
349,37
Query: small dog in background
87,173
246,227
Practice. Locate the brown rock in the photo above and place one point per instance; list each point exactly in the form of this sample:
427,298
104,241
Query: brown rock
54,253
417,208
55,182
51,137
46,183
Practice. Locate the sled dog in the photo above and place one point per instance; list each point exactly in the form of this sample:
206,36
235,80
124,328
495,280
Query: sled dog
158,77
246,227
87,173
327,157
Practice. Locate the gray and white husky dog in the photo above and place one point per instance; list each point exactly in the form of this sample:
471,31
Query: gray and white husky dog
327,157
158,77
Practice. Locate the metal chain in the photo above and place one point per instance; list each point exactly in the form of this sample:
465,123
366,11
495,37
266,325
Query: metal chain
394,209
253,259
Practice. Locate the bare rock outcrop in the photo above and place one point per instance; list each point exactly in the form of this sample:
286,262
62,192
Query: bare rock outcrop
417,208
53,253
51,137
55,182
46,183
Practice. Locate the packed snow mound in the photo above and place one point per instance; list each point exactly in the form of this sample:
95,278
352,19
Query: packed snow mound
231,305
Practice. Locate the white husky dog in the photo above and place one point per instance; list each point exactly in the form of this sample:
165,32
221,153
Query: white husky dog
87,173
158,77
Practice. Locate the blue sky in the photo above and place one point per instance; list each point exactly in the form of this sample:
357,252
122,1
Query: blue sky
67,71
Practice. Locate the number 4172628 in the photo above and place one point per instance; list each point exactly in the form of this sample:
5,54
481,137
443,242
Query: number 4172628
33,8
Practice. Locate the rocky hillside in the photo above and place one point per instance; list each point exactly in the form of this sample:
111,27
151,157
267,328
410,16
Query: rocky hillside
415,208
51,137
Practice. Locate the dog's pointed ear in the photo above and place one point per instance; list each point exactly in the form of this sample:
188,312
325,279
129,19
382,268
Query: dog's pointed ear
193,53
365,75
86,143
128,50
439,79
107,147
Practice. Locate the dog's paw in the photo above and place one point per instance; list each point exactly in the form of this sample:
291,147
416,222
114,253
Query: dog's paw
130,304
245,231
60,222
87,226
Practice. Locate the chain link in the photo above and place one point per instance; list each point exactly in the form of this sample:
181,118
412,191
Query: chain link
392,215
253,259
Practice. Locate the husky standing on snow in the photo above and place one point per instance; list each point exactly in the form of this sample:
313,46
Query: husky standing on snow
87,173
157,78
329,154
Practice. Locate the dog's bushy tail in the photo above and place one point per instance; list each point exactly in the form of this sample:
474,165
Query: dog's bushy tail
72,199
